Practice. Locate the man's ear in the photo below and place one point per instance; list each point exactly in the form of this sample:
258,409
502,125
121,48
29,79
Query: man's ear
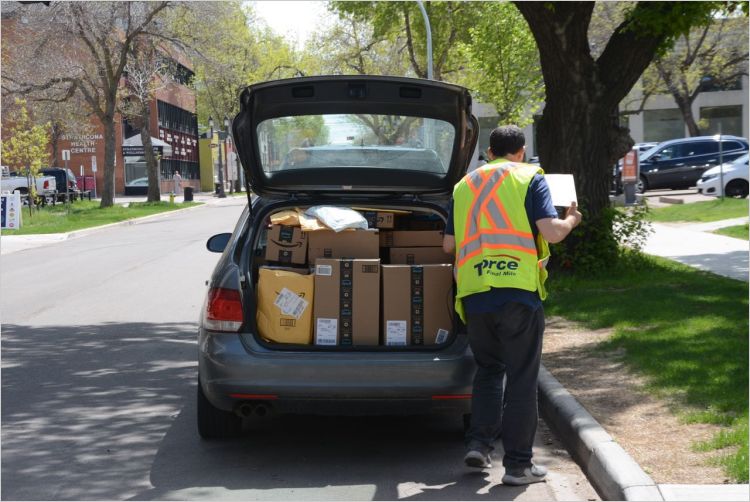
490,155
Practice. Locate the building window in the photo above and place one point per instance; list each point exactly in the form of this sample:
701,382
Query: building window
662,125
729,117
176,119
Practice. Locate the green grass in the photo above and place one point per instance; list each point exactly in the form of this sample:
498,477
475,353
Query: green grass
85,214
685,330
712,210
738,232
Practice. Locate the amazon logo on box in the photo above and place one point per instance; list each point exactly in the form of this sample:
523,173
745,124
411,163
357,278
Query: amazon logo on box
286,244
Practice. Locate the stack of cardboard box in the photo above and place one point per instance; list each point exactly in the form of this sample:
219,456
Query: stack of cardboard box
351,298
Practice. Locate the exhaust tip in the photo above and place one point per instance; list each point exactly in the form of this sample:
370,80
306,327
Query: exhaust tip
245,409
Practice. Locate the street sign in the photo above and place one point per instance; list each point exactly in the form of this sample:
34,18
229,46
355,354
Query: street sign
66,154
10,210
630,167
93,163
139,150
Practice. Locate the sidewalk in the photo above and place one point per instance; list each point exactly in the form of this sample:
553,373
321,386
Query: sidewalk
693,244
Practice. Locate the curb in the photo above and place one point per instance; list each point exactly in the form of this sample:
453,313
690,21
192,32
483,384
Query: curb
613,473
133,221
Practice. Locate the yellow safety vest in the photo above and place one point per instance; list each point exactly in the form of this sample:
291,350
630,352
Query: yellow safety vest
495,247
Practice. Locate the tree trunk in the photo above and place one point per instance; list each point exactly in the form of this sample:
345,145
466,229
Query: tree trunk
686,108
154,190
54,138
108,188
579,131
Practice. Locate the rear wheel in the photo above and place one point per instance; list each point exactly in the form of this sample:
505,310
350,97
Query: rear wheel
214,423
642,185
736,188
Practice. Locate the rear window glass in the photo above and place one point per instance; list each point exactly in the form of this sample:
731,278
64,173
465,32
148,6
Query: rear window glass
355,141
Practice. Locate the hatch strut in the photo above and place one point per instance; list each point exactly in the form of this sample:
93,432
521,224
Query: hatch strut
249,197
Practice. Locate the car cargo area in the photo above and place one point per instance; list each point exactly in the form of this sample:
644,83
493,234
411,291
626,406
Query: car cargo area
386,287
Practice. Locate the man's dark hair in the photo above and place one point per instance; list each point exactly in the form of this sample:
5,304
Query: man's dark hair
506,139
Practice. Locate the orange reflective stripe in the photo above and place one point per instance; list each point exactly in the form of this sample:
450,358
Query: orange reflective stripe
486,202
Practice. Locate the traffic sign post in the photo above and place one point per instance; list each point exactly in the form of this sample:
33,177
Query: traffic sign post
630,175
93,169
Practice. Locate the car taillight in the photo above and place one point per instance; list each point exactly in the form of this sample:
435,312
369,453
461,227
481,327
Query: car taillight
223,310
46,184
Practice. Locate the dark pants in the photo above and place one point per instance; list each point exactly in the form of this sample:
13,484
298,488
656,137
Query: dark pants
506,343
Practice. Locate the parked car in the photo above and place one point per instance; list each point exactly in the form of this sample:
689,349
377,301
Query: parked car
17,182
734,175
680,163
67,185
240,372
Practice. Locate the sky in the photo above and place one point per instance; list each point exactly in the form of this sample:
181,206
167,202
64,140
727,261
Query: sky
295,20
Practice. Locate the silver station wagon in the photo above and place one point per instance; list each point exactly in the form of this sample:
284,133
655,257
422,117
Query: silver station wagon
391,149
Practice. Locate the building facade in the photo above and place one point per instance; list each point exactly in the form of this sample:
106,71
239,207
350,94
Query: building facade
173,121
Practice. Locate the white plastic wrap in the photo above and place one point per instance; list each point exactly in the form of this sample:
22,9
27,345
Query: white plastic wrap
338,218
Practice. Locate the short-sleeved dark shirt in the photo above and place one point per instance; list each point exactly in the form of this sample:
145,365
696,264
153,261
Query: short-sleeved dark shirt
538,205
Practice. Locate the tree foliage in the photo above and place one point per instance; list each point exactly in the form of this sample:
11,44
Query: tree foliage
82,48
715,53
230,52
579,131
449,22
25,143
503,63
349,45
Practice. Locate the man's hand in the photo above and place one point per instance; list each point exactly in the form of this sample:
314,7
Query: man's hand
573,213
555,230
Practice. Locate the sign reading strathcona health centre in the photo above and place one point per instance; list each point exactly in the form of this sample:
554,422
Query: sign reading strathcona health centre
83,143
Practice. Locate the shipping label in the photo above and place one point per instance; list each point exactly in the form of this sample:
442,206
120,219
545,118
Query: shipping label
395,333
326,331
290,303
442,336
325,270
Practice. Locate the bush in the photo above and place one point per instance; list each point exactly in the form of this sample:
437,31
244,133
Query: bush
600,241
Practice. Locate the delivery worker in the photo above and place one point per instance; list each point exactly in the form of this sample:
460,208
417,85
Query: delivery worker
501,220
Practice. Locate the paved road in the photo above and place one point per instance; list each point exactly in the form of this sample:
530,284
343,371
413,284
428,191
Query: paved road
98,386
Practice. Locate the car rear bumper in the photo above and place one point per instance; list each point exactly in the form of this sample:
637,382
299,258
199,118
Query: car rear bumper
231,372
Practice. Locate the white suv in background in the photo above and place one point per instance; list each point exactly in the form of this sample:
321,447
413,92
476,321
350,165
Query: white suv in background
735,178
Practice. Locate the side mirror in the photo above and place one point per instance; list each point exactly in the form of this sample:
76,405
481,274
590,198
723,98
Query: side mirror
655,157
218,242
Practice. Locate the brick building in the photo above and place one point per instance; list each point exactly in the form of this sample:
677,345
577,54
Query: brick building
173,121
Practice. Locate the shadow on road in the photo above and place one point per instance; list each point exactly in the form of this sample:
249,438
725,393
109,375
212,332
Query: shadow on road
107,412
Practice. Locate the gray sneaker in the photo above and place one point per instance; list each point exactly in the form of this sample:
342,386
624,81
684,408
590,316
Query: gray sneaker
524,476
475,458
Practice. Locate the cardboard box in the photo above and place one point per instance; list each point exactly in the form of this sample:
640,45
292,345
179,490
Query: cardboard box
281,291
379,219
415,238
286,244
348,310
385,238
417,304
344,244
420,256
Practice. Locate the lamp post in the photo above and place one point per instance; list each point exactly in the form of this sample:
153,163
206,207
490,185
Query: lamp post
221,193
226,141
